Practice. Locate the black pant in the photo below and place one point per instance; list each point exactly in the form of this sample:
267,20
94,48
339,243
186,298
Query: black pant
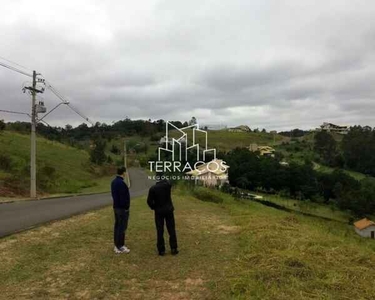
159,222
121,224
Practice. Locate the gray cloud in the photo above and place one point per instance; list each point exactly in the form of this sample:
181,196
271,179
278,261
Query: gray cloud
262,63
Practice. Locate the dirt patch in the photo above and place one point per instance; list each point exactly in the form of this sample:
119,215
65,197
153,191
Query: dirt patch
189,288
225,229
194,282
85,294
204,222
6,244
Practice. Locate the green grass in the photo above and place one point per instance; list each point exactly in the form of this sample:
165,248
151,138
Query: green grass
297,150
302,149
308,207
232,250
72,165
325,169
223,140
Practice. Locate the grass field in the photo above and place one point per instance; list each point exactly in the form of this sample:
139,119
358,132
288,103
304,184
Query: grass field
223,140
308,207
233,250
325,169
72,165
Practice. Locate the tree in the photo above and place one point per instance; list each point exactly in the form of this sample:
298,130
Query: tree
326,147
358,148
193,121
115,149
2,125
97,153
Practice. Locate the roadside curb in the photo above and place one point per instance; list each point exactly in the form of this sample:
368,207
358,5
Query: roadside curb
64,196
52,197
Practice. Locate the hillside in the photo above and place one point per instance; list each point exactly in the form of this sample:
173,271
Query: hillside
232,250
60,168
224,140
302,148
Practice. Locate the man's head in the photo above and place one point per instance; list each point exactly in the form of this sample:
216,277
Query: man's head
159,176
121,171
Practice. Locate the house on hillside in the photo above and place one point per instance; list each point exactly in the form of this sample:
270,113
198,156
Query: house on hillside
365,228
263,150
329,127
241,128
213,173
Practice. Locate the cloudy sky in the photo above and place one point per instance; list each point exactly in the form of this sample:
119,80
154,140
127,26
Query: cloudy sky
265,63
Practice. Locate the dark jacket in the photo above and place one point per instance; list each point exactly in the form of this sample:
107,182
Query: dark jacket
159,197
120,193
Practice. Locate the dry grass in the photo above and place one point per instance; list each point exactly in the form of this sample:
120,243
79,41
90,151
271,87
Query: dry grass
74,258
234,250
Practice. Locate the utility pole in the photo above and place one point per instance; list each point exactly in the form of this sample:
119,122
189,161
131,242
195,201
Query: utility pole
33,141
126,166
33,89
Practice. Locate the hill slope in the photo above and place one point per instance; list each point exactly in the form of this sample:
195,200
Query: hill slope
234,250
68,167
224,140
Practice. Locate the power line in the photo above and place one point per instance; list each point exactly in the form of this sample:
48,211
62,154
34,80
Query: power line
80,114
22,113
65,101
52,89
51,110
12,62
14,112
15,69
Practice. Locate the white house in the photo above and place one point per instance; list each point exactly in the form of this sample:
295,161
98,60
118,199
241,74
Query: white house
263,150
241,128
329,127
365,228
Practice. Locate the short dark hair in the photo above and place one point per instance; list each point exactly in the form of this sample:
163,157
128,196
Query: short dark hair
121,170
159,175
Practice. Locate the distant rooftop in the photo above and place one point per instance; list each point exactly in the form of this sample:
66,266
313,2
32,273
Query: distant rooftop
364,223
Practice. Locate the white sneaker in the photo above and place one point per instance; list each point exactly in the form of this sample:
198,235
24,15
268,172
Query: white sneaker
117,250
124,249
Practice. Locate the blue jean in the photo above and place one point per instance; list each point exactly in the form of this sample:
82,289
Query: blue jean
121,224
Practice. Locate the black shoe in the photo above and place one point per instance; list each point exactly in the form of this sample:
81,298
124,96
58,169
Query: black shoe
162,253
174,251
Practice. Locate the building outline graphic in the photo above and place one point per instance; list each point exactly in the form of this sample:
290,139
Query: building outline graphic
182,143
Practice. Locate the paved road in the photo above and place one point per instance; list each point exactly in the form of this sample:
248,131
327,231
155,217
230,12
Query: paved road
21,215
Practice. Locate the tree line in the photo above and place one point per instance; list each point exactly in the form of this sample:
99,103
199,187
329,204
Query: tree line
126,127
355,152
249,170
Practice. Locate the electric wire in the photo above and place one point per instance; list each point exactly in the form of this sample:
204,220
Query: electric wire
15,69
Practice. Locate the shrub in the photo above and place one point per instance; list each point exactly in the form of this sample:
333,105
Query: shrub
97,153
115,149
46,178
5,162
208,195
2,125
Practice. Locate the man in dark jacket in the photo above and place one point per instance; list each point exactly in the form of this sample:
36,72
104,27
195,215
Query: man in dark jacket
121,205
159,199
